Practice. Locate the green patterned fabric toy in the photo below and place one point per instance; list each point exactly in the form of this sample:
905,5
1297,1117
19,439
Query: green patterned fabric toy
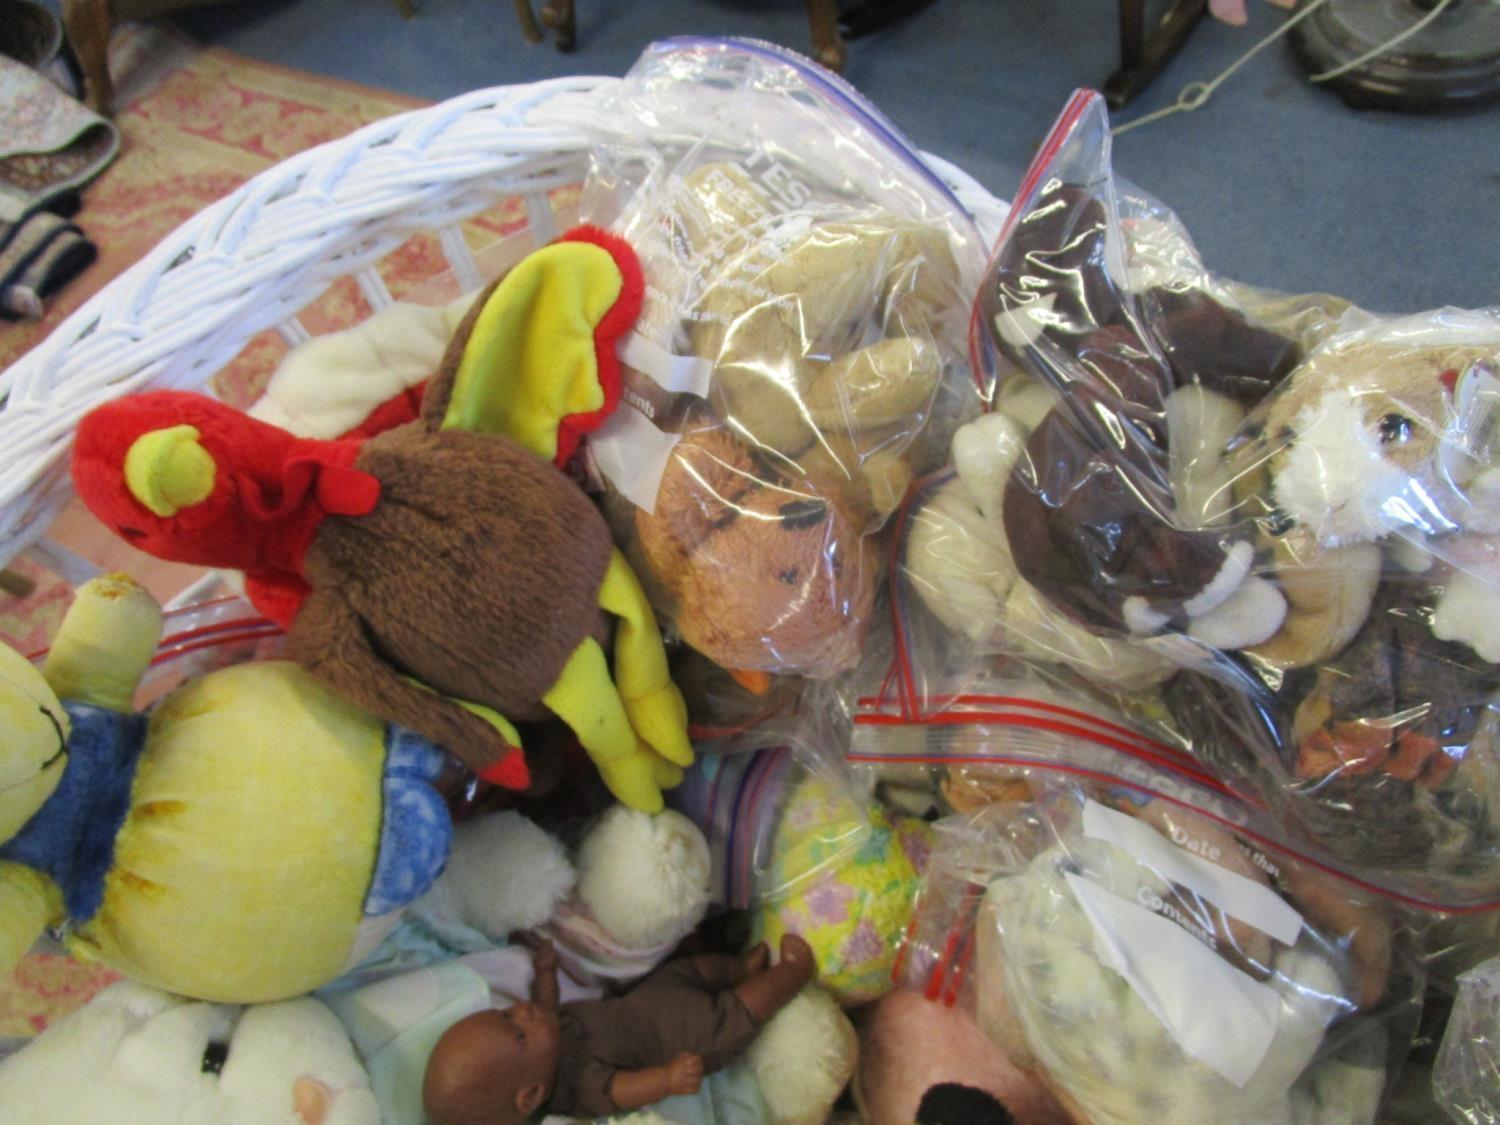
852,909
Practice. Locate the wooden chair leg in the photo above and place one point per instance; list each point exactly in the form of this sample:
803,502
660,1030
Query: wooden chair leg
1145,51
562,17
87,25
828,44
529,27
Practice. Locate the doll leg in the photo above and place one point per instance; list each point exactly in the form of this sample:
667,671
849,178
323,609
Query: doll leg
766,993
587,700
723,970
652,700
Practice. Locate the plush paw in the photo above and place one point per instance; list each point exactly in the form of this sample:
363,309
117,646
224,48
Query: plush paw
633,781
661,721
1469,612
1252,614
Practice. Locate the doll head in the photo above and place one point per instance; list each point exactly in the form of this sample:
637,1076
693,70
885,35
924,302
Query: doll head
493,1067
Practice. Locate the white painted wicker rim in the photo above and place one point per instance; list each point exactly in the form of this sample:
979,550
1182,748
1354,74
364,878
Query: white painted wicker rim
255,258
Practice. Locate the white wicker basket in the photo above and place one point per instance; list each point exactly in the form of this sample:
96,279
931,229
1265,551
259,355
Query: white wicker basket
257,257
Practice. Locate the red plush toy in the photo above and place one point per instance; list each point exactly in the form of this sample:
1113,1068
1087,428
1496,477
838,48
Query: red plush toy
443,573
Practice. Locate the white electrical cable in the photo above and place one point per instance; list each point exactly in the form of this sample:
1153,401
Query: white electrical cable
1196,94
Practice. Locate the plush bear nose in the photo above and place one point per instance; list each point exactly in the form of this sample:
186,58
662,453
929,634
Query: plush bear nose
800,514
311,1100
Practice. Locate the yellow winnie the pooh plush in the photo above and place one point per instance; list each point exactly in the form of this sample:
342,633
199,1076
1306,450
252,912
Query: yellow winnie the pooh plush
227,843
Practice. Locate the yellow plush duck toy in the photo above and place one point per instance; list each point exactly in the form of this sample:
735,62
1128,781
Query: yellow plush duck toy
228,843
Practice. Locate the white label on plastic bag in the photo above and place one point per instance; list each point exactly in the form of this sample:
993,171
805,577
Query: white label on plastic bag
1217,1014
1252,903
688,373
1472,439
632,454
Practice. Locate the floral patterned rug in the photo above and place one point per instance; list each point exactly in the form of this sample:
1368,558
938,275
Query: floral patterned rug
196,123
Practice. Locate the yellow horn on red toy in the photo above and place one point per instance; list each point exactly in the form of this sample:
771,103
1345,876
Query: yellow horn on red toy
167,470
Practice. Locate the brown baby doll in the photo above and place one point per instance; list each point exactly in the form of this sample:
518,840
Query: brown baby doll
595,1058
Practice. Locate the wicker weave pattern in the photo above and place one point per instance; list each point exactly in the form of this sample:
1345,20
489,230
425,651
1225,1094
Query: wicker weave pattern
255,258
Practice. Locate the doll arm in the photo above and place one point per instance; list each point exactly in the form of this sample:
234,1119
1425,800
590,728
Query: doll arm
544,991
329,640
635,1089
28,902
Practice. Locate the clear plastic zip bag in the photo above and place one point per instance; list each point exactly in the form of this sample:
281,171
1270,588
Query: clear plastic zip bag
1466,1077
1146,962
1268,519
800,355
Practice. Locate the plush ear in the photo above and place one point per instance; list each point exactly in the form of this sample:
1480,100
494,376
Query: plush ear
29,901
535,358
529,1098
105,643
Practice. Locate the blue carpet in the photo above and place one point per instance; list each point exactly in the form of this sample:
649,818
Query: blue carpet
1278,181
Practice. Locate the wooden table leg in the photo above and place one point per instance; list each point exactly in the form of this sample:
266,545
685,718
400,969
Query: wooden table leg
828,44
87,24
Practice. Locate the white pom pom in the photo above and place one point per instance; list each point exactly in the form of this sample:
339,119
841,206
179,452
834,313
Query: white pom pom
645,878
505,875
804,1058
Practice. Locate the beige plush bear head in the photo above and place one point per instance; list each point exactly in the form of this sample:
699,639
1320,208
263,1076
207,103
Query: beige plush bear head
764,576
1368,437
821,333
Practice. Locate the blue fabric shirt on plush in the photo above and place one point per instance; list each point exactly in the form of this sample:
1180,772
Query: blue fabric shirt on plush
72,836
416,829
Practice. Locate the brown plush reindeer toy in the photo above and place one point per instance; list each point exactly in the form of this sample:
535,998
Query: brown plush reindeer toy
444,574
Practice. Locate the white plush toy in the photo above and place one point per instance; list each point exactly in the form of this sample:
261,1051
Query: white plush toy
137,1056
804,1058
328,385
637,886
644,877
640,885
643,885
504,875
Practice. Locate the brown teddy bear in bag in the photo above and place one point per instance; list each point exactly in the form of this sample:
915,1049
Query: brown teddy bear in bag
819,343
759,573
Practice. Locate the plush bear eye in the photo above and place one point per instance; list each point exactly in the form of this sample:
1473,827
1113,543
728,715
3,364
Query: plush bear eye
215,1055
1394,428
798,515
1278,523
